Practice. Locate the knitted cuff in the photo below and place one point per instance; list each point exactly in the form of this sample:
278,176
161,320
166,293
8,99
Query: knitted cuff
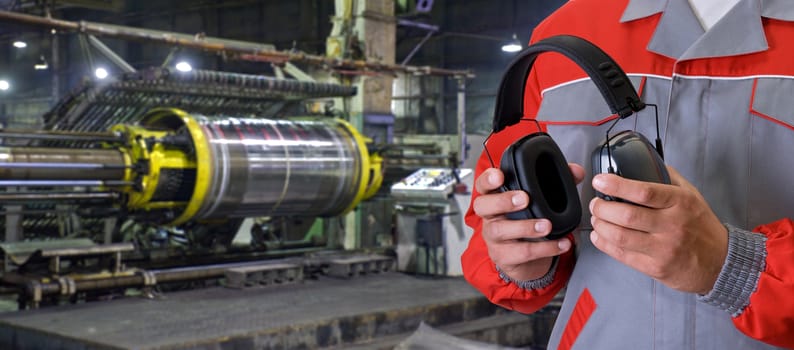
739,276
537,283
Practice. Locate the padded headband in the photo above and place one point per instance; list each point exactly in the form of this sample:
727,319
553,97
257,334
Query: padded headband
610,79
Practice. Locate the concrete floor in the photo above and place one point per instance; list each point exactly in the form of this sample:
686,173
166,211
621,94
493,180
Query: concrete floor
328,312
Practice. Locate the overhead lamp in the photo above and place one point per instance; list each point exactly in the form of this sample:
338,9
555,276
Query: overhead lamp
20,44
41,64
101,73
513,45
4,85
183,66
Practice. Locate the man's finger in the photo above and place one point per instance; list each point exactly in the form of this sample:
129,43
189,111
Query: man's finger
577,171
627,215
649,194
521,252
623,238
490,180
512,230
496,204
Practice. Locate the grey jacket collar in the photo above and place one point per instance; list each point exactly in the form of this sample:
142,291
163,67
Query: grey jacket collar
679,34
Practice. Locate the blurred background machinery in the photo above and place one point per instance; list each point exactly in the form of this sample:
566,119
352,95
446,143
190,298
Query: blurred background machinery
167,168
113,167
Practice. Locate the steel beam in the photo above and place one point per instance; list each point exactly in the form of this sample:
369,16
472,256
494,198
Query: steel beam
231,48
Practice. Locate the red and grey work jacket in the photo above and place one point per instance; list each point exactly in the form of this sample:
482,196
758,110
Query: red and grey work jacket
726,106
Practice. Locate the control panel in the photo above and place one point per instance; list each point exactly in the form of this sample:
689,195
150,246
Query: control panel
429,184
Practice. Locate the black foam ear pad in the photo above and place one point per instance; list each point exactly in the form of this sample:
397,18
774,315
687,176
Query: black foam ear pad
536,165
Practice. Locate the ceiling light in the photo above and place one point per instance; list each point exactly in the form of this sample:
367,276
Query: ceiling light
183,66
41,64
101,73
4,85
513,45
20,44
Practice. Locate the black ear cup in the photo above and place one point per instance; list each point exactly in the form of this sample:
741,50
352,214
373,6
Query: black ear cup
631,155
536,165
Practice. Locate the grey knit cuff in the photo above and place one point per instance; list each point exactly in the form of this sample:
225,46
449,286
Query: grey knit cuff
739,276
537,283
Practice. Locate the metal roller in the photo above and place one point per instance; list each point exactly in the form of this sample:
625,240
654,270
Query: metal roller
310,168
261,167
173,167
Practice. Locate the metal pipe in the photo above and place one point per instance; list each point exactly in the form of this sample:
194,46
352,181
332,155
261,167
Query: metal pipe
62,183
415,24
110,55
137,280
416,48
55,61
238,49
26,164
60,136
37,212
61,166
463,143
57,196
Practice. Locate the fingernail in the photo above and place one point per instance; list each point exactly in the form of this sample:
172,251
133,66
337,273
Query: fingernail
599,183
593,237
518,200
592,203
492,179
541,226
564,244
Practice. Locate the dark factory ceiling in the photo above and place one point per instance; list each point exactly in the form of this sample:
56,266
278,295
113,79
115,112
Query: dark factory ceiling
450,34
468,32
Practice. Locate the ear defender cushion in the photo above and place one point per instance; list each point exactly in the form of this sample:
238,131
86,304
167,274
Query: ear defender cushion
536,164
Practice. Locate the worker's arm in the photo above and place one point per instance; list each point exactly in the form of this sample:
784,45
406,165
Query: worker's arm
756,283
524,296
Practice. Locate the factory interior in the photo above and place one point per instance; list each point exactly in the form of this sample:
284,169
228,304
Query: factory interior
249,174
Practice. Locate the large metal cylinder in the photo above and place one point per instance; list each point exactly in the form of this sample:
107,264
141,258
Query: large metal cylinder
261,167
267,167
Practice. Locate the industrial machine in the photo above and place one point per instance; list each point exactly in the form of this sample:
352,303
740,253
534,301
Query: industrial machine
173,167
221,148
183,161
163,176
430,205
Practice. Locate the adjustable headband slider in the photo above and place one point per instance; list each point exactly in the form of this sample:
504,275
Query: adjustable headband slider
636,105
632,107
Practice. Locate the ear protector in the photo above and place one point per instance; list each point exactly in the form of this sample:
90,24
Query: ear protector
535,164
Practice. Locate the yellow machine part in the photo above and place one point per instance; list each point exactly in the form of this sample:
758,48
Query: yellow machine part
158,157
371,167
202,155
376,177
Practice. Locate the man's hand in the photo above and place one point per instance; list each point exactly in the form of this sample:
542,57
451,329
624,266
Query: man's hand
672,236
519,259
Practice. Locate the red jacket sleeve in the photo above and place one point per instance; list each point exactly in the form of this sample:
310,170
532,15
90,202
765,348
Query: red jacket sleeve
770,315
480,272
478,268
